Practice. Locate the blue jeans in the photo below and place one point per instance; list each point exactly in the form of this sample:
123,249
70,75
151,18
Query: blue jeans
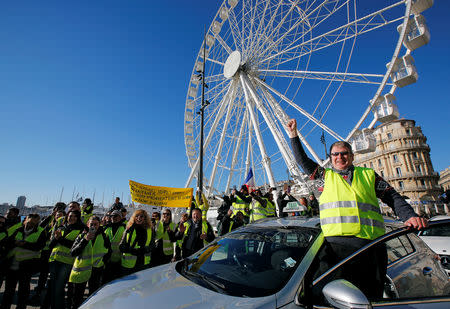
59,275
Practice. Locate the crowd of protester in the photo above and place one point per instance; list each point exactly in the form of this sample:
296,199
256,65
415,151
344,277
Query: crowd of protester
246,206
72,250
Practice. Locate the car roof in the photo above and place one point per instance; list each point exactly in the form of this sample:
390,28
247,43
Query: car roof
441,217
311,222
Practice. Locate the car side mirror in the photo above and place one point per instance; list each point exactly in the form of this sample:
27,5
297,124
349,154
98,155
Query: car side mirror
344,295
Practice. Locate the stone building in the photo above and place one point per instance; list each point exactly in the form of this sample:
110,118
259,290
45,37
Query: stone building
402,157
444,180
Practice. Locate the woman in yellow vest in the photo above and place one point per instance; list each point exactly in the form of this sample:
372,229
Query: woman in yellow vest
26,245
137,243
90,248
61,261
165,238
350,216
3,248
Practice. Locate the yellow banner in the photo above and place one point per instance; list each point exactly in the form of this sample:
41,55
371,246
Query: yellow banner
160,196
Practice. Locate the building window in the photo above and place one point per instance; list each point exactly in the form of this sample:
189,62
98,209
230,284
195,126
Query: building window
401,185
382,173
365,165
399,171
422,183
412,143
379,162
371,165
389,136
408,132
419,169
415,156
395,158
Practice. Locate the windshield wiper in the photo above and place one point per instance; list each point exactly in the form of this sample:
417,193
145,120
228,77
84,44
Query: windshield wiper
217,286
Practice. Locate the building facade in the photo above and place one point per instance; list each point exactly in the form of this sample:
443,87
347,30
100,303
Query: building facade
402,157
444,179
21,202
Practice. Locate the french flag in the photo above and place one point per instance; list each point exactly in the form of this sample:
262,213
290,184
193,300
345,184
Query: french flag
250,180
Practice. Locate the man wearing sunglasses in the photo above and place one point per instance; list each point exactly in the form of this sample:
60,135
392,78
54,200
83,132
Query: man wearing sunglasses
350,215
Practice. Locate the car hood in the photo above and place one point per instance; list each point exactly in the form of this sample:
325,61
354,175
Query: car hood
439,244
164,287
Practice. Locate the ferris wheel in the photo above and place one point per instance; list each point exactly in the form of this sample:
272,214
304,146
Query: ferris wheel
329,64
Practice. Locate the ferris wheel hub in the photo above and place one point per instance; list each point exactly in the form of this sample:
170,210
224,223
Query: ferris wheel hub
232,64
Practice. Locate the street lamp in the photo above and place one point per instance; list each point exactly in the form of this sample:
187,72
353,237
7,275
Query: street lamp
201,75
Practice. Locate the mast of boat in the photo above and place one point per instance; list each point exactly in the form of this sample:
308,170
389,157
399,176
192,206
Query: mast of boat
73,192
60,196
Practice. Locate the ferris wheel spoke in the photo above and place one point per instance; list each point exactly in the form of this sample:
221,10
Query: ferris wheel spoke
357,27
360,78
217,157
301,110
318,19
258,33
213,128
277,135
267,28
215,78
234,29
236,148
255,125
283,118
223,43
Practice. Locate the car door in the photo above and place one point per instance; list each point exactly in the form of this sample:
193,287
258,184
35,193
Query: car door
414,280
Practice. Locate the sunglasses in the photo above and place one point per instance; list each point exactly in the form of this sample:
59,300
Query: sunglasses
342,153
166,214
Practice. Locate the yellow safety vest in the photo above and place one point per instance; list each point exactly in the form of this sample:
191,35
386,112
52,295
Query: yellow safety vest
128,259
239,205
204,230
351,210
3,235
258,212
13,228
22,254
270,209
92,256
61,253
85,217
115,241
161,234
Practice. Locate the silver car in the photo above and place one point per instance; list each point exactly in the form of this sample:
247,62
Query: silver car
279,263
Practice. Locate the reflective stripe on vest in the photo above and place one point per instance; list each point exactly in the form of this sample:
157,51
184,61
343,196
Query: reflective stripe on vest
22,254
128,259
115,241
161,234
61,253
351,210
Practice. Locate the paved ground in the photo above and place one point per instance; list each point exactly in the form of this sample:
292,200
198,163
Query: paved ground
30,305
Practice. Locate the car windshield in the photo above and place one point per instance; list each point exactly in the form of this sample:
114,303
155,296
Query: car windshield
250,262
440,230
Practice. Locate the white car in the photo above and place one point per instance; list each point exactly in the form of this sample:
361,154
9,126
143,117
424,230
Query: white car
438,239
281,263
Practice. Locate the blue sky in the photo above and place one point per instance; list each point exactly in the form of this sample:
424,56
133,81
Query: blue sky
93,94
